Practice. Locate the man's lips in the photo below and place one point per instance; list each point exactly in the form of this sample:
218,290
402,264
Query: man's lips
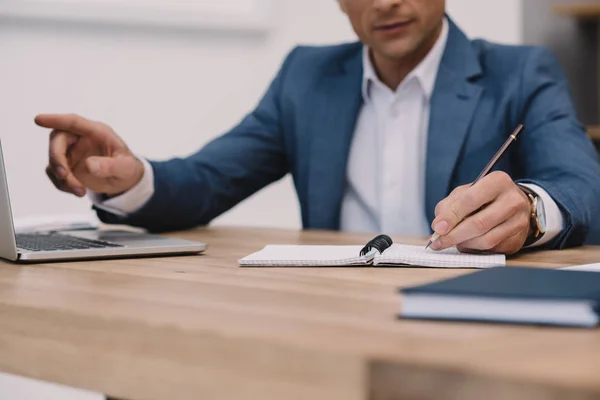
393,25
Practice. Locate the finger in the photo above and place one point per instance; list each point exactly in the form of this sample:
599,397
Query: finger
110,167
448,200
58,148
468,201
71,123
476,225
60,183
508,237
453,212
57,181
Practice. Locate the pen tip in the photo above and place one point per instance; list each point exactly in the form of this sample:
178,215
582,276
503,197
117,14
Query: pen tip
428,244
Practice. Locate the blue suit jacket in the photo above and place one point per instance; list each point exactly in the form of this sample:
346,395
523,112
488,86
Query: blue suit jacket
305,122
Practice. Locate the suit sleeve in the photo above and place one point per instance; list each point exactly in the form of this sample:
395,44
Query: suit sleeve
192,191
555,150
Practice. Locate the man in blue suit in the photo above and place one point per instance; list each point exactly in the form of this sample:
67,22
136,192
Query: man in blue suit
383,136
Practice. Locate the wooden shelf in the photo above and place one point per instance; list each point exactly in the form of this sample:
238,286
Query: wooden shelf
594,132
581,11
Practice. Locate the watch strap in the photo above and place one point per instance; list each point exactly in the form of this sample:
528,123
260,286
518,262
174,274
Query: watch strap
536,234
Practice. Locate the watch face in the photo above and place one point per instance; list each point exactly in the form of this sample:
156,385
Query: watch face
541,214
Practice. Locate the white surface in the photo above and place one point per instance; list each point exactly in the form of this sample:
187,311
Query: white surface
245,15
584,267
397,255
291,255
18,388
498,21
167,93
448,258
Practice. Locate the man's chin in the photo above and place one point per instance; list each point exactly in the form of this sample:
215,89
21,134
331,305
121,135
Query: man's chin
394,51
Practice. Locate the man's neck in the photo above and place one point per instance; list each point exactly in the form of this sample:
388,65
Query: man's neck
393,71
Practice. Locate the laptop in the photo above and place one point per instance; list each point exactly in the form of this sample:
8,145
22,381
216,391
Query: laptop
49,246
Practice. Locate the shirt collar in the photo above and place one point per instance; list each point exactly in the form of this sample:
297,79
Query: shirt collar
425,71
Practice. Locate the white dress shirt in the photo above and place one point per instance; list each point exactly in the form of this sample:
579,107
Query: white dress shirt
385,189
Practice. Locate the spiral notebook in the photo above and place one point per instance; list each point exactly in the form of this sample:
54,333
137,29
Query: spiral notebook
387,254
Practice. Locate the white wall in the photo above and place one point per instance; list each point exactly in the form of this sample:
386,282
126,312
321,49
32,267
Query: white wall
498,21
167,93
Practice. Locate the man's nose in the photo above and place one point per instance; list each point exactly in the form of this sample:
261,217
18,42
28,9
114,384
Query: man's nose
386,5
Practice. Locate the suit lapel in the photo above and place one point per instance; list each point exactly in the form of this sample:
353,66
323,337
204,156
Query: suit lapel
337,105
453,105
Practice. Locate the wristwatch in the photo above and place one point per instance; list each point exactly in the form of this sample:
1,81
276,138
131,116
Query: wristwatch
537,216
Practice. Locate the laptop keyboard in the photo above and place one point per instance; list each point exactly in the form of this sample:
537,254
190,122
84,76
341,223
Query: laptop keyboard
56,241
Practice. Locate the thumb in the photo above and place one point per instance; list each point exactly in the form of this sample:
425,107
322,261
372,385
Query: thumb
109,167
100,167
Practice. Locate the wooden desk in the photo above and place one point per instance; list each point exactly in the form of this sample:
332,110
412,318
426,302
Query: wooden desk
202,328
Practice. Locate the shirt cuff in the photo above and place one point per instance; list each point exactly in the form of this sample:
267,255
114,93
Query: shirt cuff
130,201
554,218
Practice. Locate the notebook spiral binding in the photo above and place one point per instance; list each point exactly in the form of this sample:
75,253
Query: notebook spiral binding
380,243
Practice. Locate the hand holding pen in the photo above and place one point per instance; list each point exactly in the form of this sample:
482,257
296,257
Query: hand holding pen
491,214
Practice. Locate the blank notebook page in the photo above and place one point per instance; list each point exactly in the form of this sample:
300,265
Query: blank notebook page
305,256
449,258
